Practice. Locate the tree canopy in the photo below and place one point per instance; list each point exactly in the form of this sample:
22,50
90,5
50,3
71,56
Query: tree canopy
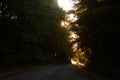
31,34
98,28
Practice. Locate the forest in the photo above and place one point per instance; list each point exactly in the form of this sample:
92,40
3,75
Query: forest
99,31
30,33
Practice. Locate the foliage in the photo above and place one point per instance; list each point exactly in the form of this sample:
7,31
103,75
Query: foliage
98,30
31,34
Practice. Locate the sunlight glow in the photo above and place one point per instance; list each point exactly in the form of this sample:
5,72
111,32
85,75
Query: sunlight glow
81,64
77,63
73,62
73,36
66,4
65,24
79,57
71,17
75,46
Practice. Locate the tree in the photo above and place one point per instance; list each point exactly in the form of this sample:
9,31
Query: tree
98,30
34,36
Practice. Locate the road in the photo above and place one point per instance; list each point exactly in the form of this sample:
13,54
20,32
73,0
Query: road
64,72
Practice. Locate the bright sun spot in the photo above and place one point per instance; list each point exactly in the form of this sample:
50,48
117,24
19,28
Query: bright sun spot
66,4
65,24
77,63
73,35
75,47
73,62
71,17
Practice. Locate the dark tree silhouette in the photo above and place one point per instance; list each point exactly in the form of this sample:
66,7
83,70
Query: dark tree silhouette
31,34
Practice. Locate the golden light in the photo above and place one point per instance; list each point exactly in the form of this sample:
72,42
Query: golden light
66,4
62,23
73,62
81,64
71,17
65,24
77,63
73,36
75,47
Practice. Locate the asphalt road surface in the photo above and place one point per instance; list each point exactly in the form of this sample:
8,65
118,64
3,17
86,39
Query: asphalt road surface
64,72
